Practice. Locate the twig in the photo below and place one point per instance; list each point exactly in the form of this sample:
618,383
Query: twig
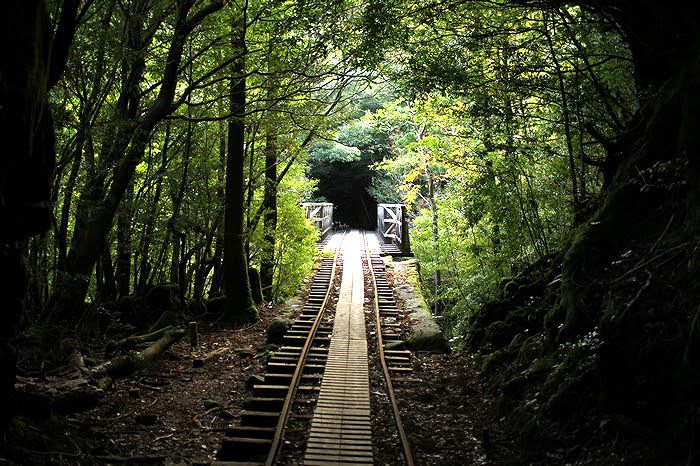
74,444
55,453
248,327
208,412
661,254
128,414
694,328
61,453
149,387
636,297
663,233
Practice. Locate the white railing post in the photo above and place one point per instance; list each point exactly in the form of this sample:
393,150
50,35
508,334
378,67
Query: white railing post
392,225
321,215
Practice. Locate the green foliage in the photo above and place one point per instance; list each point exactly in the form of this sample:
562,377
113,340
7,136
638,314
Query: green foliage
334,152
494,148
296,237
491,122
296,247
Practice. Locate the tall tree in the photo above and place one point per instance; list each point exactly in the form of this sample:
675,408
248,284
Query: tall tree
90,232
27,165
239,301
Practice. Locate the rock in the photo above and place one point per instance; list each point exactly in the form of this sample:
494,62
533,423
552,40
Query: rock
268,348
425,332
162,297
216,305
245,354
146,419
134,392
209,404
197,363
277,329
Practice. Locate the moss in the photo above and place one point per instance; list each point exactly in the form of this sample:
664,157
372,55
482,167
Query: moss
499,334
509,288
216,305
515,387
277,329
104,383
495,359
532,348
541,366
554,319
426,335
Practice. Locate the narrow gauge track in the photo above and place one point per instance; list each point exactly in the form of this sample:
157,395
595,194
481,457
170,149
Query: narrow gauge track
393,361
296,368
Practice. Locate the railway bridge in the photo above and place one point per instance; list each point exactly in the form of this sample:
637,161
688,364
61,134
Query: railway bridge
391,228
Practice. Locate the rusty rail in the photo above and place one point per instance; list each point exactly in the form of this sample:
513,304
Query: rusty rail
405,444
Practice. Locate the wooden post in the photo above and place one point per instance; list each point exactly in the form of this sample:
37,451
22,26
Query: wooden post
405,240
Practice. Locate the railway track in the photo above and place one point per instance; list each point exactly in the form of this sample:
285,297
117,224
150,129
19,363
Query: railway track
322,368
386,314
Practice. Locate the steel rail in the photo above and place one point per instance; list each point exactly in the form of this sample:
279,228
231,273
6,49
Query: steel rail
405,444
293,385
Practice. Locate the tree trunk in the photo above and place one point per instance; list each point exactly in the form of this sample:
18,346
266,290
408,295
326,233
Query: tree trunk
109,281
565,114
435,233
89,236
239,306
218,274
124,215
145,267
62,233
267,258
28,160
123,366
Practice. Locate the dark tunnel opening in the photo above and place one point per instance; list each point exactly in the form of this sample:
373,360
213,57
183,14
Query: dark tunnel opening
346,186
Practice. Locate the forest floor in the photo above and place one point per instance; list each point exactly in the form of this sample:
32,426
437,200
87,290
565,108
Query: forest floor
174,412
170,412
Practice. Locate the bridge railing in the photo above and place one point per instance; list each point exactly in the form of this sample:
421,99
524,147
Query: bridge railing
321,215
392,225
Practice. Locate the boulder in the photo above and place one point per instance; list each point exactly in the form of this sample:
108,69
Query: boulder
277,329
425,332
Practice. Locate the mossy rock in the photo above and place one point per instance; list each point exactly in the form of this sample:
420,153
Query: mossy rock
426,335
510,288
162,297
432,341
277,329
541,367
531,349
515,387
